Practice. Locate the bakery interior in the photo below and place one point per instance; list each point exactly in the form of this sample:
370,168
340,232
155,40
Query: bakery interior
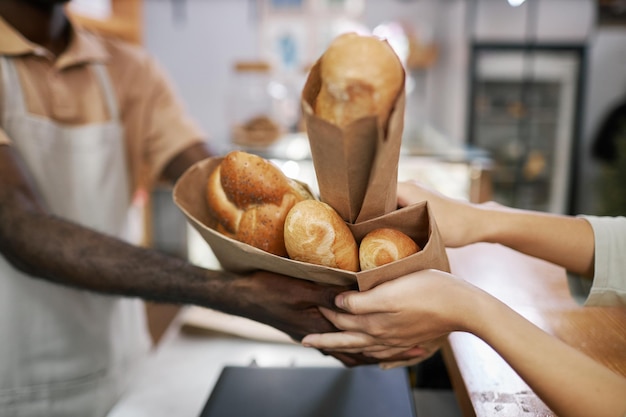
505,102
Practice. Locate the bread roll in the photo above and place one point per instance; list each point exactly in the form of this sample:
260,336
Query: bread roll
360,76
315,233
249,197
382,246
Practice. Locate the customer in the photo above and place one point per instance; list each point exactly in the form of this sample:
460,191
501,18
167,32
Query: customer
85,122
407,313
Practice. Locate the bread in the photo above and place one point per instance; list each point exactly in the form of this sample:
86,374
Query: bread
382,246
249,197
360,76
315,233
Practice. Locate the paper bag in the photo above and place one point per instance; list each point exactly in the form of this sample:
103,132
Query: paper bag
415,220
357,166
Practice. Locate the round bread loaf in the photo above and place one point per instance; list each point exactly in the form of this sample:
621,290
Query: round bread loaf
250,197
360,76
315,233
385,245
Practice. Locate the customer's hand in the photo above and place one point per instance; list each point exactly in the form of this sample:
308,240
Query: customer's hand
292,305
411,313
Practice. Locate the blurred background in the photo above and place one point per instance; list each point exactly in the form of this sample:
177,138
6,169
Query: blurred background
521,102
529,84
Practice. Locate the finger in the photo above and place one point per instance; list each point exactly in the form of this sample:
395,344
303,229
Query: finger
372,351
343,321
370,324
353,351
358,343
363,302
402,354
389,353
351,359
411,353
338,340
407,362
330,293
397,364
382,348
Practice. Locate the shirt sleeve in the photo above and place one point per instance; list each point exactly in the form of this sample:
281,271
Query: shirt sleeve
609,281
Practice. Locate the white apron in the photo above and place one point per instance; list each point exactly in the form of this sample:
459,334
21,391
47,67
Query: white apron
66,352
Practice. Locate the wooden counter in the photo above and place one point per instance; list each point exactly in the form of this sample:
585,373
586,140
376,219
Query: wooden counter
485,385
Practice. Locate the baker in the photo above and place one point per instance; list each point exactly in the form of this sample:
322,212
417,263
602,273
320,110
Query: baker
86,122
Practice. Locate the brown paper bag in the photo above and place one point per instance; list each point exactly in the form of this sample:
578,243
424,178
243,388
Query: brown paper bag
415,220
356,167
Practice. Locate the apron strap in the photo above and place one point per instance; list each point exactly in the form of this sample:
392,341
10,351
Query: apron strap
13,97
107,88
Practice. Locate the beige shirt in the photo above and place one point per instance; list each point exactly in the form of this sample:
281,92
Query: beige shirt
66,90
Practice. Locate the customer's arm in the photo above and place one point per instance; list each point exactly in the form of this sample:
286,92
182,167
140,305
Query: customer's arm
564,240
410,311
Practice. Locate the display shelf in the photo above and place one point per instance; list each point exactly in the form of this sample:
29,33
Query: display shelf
525,106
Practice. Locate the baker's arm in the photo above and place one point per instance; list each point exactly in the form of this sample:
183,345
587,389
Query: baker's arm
47,247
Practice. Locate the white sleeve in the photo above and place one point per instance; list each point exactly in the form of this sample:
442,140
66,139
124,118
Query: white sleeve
609,281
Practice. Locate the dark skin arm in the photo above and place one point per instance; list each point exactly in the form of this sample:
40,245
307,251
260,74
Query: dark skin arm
50,248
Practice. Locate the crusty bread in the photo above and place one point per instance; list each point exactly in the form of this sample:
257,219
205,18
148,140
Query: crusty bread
360,76
385,245
315,233
250,197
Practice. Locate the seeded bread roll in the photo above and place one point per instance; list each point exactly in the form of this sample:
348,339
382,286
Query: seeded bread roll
382,246
315,233
361,76
250,198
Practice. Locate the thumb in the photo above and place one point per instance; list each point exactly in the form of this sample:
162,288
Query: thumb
353,302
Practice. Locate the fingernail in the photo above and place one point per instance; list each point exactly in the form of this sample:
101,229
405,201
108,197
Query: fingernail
339,300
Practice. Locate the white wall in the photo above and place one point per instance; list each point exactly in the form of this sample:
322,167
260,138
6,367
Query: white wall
197,45
198,49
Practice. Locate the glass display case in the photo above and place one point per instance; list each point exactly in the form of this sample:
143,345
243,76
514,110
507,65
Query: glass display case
524,110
